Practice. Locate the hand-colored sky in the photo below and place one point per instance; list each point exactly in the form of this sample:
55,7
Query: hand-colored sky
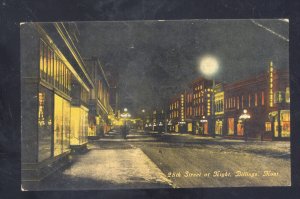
157,59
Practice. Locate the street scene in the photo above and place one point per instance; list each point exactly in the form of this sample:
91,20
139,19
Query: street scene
152,160
155,104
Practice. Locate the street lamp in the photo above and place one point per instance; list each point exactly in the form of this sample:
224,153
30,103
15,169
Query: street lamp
143,119
209,66
244,117
125,115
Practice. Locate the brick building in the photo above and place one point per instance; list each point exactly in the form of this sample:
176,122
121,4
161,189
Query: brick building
266,98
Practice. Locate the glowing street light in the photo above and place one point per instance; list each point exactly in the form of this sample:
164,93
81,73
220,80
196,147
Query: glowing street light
125,109
209,66
143,110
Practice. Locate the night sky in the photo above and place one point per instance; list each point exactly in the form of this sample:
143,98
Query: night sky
155,60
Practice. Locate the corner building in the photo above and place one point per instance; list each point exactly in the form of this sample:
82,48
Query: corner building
55,89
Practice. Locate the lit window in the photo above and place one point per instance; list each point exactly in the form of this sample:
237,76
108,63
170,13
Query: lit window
268,126
262,98
255,99
287,95
234,102
242,101
249,100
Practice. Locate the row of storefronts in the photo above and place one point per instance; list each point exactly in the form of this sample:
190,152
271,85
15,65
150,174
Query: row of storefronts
64,99
216,111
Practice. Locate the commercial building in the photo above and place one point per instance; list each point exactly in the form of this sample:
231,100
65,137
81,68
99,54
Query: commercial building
265,97
202,96
219,109
174,114
57,89
100,111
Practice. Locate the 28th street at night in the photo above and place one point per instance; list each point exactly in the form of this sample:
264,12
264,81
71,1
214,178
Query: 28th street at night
155,104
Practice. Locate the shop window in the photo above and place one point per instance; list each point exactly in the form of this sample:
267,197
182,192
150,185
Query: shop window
285,124
66,125
45,123
79,126
230,126
190,127
218,127
58,125
240,129
205,128
61,125
268,126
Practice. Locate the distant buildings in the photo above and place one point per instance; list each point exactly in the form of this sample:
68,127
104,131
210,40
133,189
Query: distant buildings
266,97
65,99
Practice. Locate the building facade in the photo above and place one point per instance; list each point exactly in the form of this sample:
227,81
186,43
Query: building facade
174,114
57,89
265,97
100,111
219,109
202,97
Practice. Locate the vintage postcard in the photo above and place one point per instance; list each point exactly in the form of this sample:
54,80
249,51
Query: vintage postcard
155,104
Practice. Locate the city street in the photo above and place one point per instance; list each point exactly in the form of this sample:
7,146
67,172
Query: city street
152,160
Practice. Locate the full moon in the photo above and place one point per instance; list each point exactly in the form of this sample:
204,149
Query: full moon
208,65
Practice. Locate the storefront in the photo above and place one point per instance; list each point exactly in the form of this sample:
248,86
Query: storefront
219,127
79,126
54,104
240,128
190,127
285,130
45,105
230,126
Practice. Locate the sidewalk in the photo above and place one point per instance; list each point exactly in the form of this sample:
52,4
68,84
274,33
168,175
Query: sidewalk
109,169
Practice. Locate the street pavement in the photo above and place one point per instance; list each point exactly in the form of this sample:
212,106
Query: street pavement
153,160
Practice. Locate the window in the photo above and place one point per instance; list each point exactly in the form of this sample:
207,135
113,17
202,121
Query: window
249,100
233,102
238,102
262,98
79,125
287,95
218,127
255,99
62,120
52,70
242,101
230,126
190,127
285,124
45,123
240,129
42,72
268,126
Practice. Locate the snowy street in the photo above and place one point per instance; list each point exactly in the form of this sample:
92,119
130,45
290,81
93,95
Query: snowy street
152,160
